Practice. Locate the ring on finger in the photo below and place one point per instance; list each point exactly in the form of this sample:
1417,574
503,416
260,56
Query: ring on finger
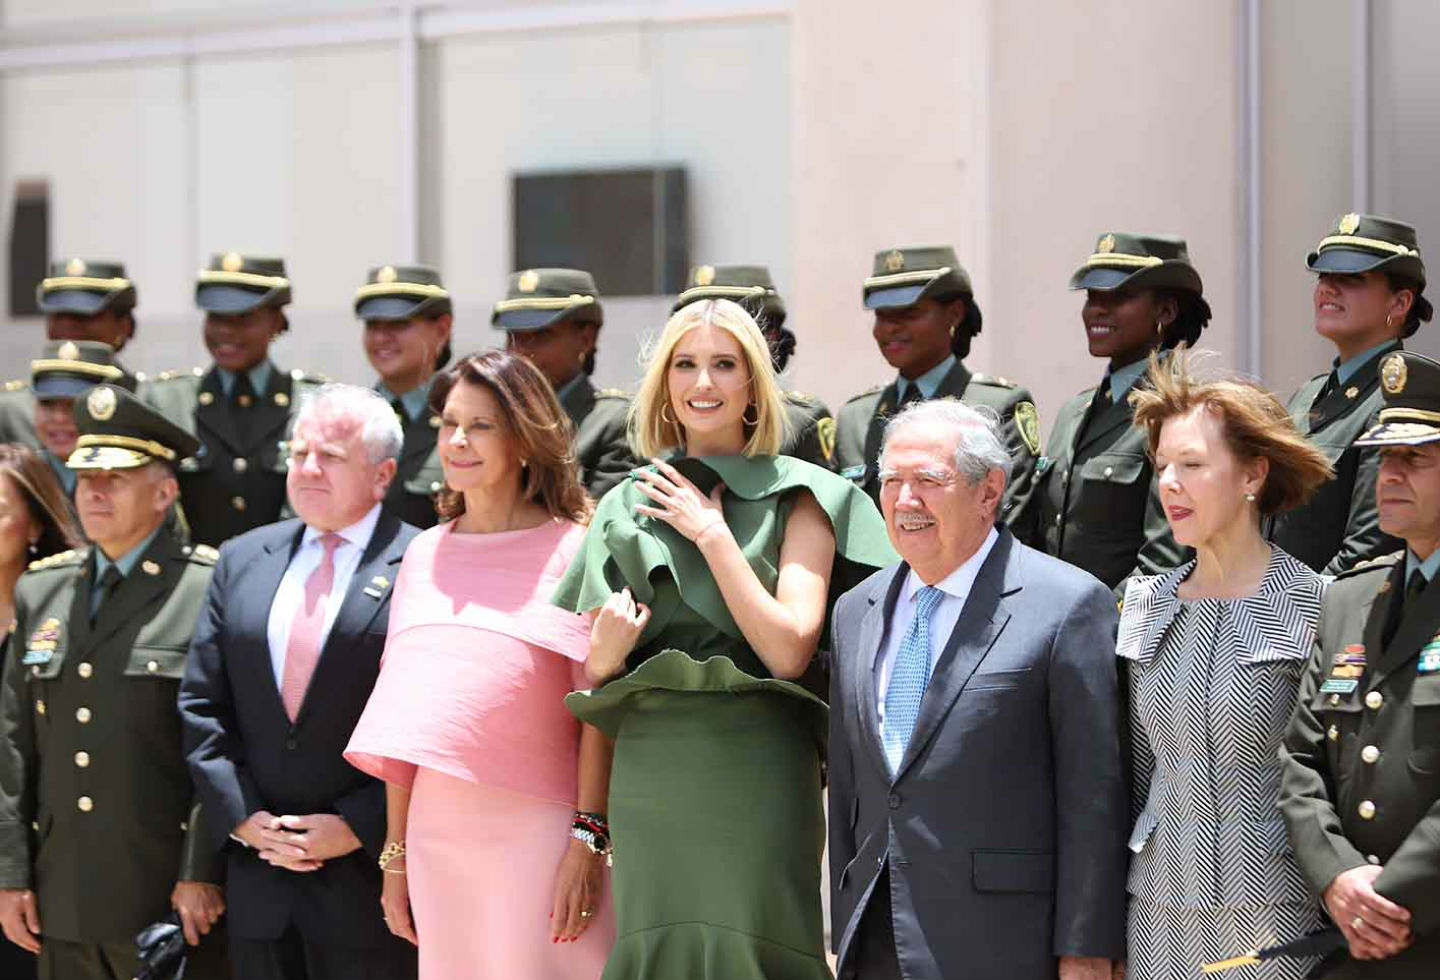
587,913
1356,922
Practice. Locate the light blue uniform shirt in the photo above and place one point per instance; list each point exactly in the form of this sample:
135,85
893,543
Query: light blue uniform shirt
928,382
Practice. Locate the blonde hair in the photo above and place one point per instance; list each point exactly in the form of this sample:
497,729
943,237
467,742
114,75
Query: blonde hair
652,432
1255,424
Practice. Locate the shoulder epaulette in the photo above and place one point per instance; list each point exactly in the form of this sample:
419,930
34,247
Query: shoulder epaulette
803,397
196,372
201,554
866,393
1373,564
60,560
19,384
613,393
993,380
309,377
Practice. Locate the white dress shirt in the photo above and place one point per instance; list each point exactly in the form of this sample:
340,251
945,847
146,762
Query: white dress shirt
956,586
291,593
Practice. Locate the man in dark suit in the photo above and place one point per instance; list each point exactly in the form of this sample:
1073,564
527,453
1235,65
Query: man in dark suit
284,657
977,810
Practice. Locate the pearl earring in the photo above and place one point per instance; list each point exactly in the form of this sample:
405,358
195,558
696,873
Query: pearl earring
1250,498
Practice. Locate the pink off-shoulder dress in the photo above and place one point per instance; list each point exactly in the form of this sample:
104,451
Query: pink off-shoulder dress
469,714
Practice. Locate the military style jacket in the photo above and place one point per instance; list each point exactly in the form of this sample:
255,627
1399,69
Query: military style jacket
1095,502
1360,760
810,431
17,414
861,425
1340,525
97,812
419,475
237,480
600,417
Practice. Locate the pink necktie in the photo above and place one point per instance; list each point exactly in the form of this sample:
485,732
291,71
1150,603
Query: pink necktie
307,628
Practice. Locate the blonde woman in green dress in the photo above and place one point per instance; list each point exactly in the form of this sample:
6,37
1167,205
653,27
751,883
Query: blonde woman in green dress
709,576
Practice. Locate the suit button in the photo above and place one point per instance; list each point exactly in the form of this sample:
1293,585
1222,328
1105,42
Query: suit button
82,759
83,715
240,464
1370,754
290,743
1374,700
1366,809
894,801
1334,733
85,669
237,502
85,804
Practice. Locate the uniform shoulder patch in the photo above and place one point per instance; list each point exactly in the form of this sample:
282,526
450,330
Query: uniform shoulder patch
1027,420
19,384
825,434
865,394
63,559
1382,563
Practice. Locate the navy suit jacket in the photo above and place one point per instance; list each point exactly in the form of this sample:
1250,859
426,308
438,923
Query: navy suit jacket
246,755
1004,829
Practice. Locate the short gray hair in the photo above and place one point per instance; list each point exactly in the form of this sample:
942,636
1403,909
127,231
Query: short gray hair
379,427
979,446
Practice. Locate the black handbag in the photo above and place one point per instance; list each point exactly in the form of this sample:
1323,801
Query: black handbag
162,950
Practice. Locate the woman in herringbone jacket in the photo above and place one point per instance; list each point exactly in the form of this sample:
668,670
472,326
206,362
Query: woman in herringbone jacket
1215,650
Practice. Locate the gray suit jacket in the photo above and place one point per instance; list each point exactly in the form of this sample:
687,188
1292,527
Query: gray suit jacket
1004,830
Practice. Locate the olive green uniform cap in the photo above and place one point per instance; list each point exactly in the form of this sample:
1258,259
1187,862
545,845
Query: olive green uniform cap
70,368
1133,261
233,283
1368,243
536,298
120,432
85,287
402,292
905,276
748,285
1410,384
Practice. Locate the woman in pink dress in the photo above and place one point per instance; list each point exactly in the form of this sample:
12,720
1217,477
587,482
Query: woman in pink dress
495,792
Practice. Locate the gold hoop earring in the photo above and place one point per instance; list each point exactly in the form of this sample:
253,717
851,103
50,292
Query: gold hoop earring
666,418
1388,324
757,415
953,328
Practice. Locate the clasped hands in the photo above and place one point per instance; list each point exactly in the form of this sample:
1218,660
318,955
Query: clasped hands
297,843
1375,927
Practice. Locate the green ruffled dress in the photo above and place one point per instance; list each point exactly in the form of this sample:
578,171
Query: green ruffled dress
715,807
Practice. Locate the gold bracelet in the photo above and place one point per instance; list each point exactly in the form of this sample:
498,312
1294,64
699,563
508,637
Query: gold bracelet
393,850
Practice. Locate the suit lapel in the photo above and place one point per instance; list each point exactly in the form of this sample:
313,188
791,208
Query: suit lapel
1101,423
872,635
578,402
212,413
1419,621
137,591
1336,405
955,382
975,632
364,597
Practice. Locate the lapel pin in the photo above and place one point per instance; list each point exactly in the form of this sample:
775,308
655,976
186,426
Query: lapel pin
377,586
1351,391
149,567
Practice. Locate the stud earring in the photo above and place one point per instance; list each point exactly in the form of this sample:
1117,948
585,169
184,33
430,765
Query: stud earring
1250,498
34,547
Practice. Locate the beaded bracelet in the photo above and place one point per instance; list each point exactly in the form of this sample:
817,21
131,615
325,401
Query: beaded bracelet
393,850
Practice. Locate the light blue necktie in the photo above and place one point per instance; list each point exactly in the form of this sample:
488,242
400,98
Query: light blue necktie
908,678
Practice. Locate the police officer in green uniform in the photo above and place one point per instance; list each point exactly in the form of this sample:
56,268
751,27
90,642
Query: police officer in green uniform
1360,782
1095,502
1370,278
240,408
809,428
925,318
82,299
98,832
65,371
553,317
408,321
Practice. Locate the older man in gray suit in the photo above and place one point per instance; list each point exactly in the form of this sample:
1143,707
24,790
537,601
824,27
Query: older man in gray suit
977,810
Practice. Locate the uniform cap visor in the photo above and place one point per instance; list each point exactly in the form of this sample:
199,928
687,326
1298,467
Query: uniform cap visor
1100,277
85,302
1399,434
107,458
388,308
222,298
528,319
61,386
889,299
1345,260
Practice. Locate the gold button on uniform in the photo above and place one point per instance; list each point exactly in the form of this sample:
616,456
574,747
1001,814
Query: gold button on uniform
1366,809
82,759
240,464
1109,472
85,804
1334,699
206,398
435,486
1334,733
152,666
237,502
39,707
1374,700
82,715
85,669
245,401
1370,754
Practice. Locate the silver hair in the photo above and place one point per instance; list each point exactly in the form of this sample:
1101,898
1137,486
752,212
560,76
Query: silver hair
379,427
979,446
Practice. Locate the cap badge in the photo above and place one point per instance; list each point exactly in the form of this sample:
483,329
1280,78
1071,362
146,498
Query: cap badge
101,403
232,262
895,260
68,351
75,267
387,274
527,281
1392,374
1349,223
704,275
1106,244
